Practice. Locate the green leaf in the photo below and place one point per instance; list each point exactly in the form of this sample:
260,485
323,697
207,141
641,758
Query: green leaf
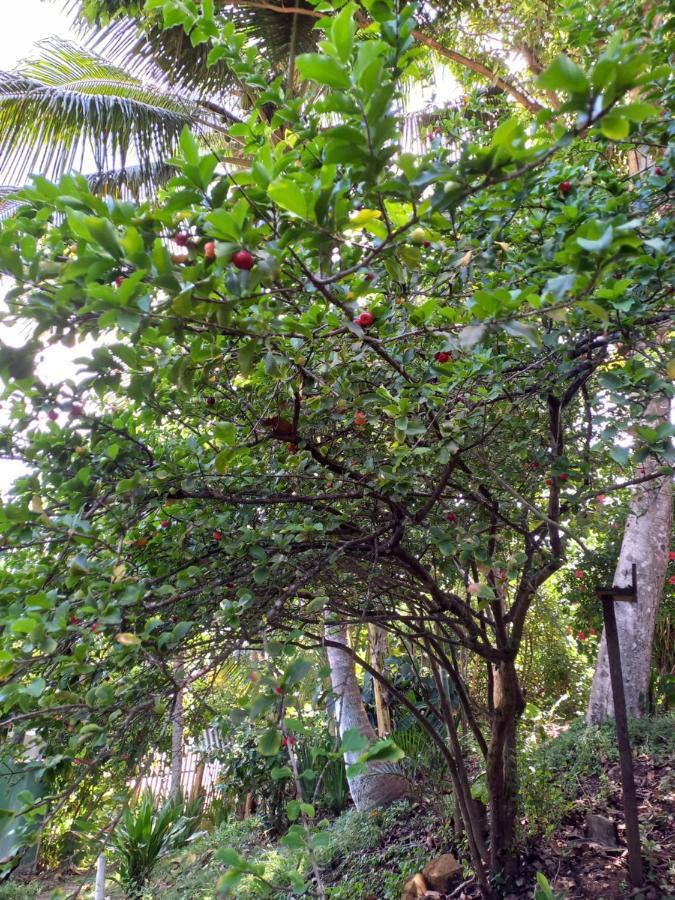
270,742
639,111
322,69
279,772
620,455
290,195
343,29
615,126
36,688
383,751
601,243
564,75
353,741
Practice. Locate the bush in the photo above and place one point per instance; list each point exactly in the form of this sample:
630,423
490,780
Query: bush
145,834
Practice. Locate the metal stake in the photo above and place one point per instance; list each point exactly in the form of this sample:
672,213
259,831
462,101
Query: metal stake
609,597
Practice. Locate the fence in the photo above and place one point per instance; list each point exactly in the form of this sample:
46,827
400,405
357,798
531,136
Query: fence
198,776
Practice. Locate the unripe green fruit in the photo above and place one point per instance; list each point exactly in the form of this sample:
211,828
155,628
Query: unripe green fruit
418,236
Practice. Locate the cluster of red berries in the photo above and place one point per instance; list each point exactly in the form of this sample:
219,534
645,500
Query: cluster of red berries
365,319
443,357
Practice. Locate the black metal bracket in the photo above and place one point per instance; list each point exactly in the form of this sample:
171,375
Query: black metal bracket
627,594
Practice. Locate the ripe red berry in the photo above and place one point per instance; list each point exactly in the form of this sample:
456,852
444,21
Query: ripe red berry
181,238
426,244
549,482
581,636
600,498
278,690
579,573
671,555
365,319
53,415
293,448
369,276
659,171
360,419
242,259
217,536
563,476
119,281
565,187
210,401
451,517
443,357
73,619
210,249
165,523
671,580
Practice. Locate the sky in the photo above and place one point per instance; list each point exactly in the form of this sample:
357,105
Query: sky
23,25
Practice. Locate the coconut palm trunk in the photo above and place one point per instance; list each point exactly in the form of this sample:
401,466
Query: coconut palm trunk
646,542
383,783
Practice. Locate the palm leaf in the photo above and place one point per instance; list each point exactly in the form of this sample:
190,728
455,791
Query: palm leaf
70,103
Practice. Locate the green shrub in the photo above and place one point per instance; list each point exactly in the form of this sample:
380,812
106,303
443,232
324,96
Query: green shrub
145,834
12,890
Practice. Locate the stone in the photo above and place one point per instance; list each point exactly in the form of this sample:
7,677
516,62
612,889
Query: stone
414,887
602,830
440,872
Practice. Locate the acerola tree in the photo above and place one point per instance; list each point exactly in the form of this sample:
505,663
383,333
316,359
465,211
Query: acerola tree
424,471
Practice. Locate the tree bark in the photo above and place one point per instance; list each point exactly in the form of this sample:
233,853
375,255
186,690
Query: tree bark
377,638
646,542
502,769
176,741
383,783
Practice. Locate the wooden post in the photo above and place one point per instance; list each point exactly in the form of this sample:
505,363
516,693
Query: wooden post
608,597
100,877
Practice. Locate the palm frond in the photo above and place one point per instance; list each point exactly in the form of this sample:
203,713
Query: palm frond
69,104
8,203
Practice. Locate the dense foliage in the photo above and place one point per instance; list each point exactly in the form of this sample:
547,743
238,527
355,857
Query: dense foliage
351,381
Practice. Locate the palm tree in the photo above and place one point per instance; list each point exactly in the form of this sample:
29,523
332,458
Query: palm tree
118,104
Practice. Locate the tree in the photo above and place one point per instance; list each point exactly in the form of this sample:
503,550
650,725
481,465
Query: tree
646,543
382,783
376,387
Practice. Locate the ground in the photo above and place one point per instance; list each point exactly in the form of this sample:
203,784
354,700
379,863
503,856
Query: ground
368,856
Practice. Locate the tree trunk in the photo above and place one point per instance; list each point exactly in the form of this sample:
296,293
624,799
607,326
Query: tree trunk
501,769
377,638
646,542
383,783
176,742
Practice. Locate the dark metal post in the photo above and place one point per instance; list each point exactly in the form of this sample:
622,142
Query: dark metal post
621,719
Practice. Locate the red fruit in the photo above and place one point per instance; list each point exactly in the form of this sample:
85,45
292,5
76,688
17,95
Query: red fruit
600,499
288,741
95,626
165,523
549,482
210,401
365,319
579,573
217,536
671,580
592,631
242,259
360,419
451,517
293,448
564,476
426,244
73,619
369,276
443,357
659,171
581,636
181,238
119,281
53,415
671,555
278,690
565,187
76,409
210,249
